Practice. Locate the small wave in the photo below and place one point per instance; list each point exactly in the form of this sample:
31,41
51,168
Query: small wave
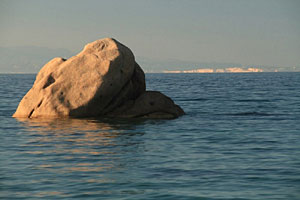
196,99
250,114
253,100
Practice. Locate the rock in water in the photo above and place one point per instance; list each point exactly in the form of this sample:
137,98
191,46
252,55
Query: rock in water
102,80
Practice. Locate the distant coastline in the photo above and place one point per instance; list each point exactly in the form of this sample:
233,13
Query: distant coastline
225,70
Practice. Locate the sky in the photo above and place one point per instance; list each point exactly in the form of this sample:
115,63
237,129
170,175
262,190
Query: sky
256,32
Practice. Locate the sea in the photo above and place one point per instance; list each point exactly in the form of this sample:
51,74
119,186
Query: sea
239,140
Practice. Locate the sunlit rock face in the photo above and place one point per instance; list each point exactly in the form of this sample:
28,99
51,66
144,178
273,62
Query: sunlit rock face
102,80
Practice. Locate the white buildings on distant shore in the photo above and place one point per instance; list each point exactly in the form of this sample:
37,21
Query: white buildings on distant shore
226,70
240,70
192,71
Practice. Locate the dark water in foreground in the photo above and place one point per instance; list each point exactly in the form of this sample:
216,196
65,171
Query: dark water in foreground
240,140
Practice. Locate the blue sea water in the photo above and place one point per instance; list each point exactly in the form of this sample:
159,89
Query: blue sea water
239,139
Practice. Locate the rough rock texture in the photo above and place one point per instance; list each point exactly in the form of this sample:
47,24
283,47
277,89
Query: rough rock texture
102,80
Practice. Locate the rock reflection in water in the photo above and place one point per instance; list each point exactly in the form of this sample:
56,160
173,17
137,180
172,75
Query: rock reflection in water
84,148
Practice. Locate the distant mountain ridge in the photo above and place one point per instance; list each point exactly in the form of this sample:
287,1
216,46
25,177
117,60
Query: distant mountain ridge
30,59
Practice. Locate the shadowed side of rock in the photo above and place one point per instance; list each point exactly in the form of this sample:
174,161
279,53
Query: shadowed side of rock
131,90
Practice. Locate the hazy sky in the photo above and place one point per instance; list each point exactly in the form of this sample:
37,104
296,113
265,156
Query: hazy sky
262,32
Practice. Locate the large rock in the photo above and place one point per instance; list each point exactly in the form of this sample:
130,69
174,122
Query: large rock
102,80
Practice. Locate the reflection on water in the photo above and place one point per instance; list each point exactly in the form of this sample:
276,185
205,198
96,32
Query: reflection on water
59,125
77,147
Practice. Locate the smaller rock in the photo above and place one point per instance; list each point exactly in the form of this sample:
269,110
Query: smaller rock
150,104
